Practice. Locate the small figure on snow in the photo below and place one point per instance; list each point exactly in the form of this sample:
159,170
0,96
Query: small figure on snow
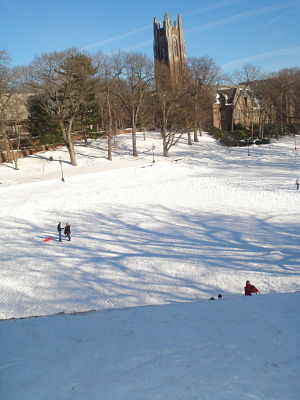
219,297
59,229
67,231
249,289
297,183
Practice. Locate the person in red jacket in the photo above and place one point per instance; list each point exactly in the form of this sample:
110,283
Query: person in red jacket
249,289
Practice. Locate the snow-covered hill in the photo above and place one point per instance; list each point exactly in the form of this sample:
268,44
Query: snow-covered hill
179,230
237,348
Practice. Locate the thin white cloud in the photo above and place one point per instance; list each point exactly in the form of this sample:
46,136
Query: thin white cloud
281,16
223,21
214,6
270,54
241,16
115,38
218,4
136,46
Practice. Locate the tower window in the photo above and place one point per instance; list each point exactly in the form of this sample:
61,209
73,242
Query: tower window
175,47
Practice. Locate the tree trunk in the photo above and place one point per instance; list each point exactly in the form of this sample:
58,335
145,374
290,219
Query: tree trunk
71,150
102,119
110,123
134,148
109,147
281,114
133,123
196,139
6,146
165,146
11,155
252,121
196,121
263,129
200,127
16,155
68,140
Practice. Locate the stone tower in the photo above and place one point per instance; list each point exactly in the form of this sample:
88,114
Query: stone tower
169,53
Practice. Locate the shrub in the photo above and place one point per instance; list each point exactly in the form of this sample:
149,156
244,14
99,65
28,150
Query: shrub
292,129
240,134
215,132
262,141
270,130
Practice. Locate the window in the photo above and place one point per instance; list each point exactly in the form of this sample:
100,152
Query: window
175,47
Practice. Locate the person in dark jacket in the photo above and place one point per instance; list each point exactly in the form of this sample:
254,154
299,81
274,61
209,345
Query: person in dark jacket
67,231
249,289
59,229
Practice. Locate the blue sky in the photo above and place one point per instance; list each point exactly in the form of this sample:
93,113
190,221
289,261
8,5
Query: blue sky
265,33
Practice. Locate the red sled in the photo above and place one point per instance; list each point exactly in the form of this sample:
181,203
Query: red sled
47,239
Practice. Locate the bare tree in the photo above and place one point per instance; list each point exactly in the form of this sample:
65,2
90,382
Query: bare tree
204,74
170,117
264,105
17,113
243,79
285,86
137,78
65,80
109,69
279,99
10,103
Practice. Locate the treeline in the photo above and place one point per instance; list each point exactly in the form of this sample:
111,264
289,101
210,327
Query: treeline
71,91
275,103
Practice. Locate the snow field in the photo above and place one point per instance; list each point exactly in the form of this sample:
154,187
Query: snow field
230,349
167,236
145,233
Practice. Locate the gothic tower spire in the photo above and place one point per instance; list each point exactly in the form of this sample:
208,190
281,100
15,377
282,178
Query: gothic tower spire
169,53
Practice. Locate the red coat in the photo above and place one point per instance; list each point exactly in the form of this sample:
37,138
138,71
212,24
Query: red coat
249,289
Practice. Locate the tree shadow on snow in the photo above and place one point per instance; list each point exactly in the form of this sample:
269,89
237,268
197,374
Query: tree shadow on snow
125,257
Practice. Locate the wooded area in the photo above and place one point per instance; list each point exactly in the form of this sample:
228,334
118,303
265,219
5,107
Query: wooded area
69,93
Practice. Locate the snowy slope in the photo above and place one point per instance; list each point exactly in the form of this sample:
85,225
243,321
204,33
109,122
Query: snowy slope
148,233
237,348
170,234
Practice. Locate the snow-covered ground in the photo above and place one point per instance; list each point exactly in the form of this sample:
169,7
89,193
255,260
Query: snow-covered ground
172,234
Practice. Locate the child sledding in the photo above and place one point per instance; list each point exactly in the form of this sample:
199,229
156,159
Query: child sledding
250,289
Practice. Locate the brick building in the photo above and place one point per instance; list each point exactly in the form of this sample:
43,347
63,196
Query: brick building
235,106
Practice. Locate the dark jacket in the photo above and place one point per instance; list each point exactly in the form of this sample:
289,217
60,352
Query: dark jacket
67,230
59,228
